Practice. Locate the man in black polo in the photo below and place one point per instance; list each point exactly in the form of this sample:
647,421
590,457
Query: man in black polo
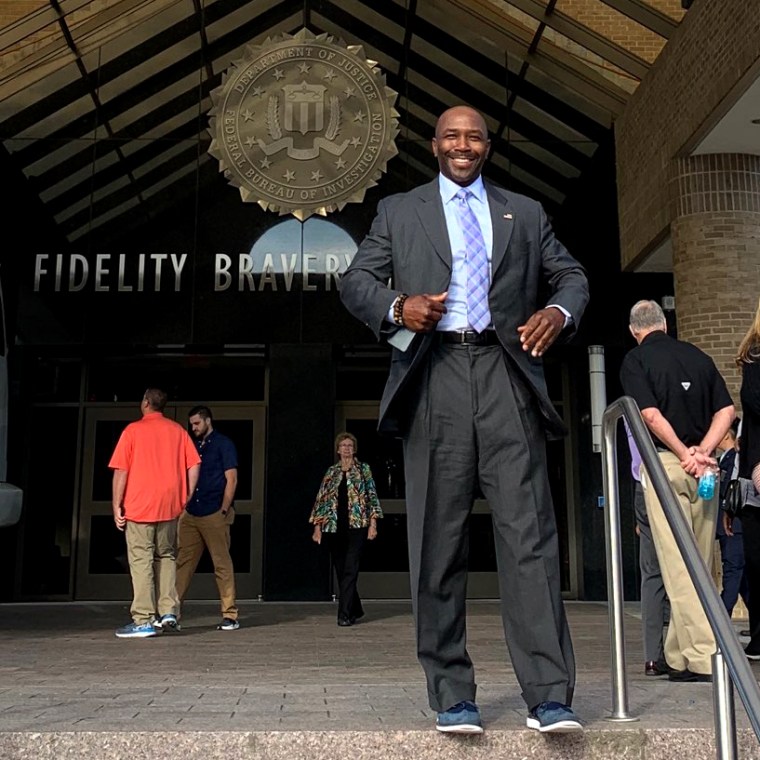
206,521
687,408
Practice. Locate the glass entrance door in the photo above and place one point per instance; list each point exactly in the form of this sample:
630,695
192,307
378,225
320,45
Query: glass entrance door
102,571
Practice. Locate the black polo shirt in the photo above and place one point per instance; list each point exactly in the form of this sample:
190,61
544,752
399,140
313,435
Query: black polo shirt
680,380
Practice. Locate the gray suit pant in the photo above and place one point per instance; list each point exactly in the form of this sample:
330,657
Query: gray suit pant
473,419
654,602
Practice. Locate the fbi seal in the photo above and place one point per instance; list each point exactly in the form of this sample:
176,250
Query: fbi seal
303,124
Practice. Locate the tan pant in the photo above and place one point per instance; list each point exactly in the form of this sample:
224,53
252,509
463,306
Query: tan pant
151,551
689,642
213,533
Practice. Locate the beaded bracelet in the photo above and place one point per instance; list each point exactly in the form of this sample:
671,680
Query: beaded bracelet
398,309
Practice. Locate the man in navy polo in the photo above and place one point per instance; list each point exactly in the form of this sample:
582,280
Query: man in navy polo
209,514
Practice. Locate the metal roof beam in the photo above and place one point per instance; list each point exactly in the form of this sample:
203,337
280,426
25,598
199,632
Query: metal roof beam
553,105
35,22
581,34
464,92
159,42
411,17
551,59
480,64
133,190
185,133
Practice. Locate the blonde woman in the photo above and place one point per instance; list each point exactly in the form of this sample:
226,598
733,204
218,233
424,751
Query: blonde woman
748,359
345,515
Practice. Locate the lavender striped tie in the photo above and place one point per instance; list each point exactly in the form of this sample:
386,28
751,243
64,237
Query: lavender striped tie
478,275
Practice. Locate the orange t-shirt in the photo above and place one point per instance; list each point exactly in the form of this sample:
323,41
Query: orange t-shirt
156,452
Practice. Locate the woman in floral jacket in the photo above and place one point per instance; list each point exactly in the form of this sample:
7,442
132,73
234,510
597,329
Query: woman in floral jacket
345,515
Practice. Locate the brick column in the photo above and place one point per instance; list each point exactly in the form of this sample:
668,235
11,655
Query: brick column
715,232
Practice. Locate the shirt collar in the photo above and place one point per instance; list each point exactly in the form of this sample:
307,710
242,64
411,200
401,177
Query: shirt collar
449,189
200,442
654,336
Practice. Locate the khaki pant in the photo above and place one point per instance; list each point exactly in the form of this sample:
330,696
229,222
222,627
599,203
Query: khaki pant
689,642
213,533
151,551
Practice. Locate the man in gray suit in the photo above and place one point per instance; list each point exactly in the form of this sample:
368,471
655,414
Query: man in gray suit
467,394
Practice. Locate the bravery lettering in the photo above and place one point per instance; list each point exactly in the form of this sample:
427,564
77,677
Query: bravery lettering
165,272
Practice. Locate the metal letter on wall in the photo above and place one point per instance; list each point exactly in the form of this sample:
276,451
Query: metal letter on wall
303,124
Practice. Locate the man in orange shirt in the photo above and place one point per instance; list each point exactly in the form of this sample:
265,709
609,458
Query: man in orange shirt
156,468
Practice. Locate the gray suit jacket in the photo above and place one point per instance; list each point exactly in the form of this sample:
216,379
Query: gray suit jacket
408,247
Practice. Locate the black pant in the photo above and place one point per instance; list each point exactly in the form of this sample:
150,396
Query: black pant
750,517
474,420
654,602
346,551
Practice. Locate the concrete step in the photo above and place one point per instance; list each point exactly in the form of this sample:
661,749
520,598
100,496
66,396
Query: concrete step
291,684
626,744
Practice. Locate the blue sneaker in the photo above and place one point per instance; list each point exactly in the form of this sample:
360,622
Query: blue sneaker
136,631
553,717
462,718
169,623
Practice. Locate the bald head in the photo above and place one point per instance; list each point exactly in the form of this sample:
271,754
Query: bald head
452,114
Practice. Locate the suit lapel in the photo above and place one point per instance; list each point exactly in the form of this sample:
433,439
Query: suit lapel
502,222
430,212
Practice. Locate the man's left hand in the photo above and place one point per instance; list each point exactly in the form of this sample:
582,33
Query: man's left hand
372,532
541,330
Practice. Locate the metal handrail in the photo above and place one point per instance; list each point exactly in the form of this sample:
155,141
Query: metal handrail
729,647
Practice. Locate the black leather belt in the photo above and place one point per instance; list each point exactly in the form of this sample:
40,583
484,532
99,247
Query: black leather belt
469,338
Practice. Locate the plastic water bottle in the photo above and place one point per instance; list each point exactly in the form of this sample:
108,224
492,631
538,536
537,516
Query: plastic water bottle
706,488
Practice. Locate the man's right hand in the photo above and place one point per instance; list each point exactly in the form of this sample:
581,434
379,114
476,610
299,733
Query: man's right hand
316,536
423,312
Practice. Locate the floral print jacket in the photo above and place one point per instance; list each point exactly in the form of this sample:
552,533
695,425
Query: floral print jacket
363,503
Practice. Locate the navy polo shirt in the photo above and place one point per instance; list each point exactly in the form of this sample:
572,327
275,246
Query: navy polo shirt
218,454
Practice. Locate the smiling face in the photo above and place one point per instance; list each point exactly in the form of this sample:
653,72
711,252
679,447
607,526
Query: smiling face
346,448
461,144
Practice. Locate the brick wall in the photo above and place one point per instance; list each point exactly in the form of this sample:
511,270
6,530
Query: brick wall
715,201
619,28
714,47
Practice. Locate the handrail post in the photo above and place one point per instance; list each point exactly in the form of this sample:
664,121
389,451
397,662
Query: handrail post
732,669
723,709
614,576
